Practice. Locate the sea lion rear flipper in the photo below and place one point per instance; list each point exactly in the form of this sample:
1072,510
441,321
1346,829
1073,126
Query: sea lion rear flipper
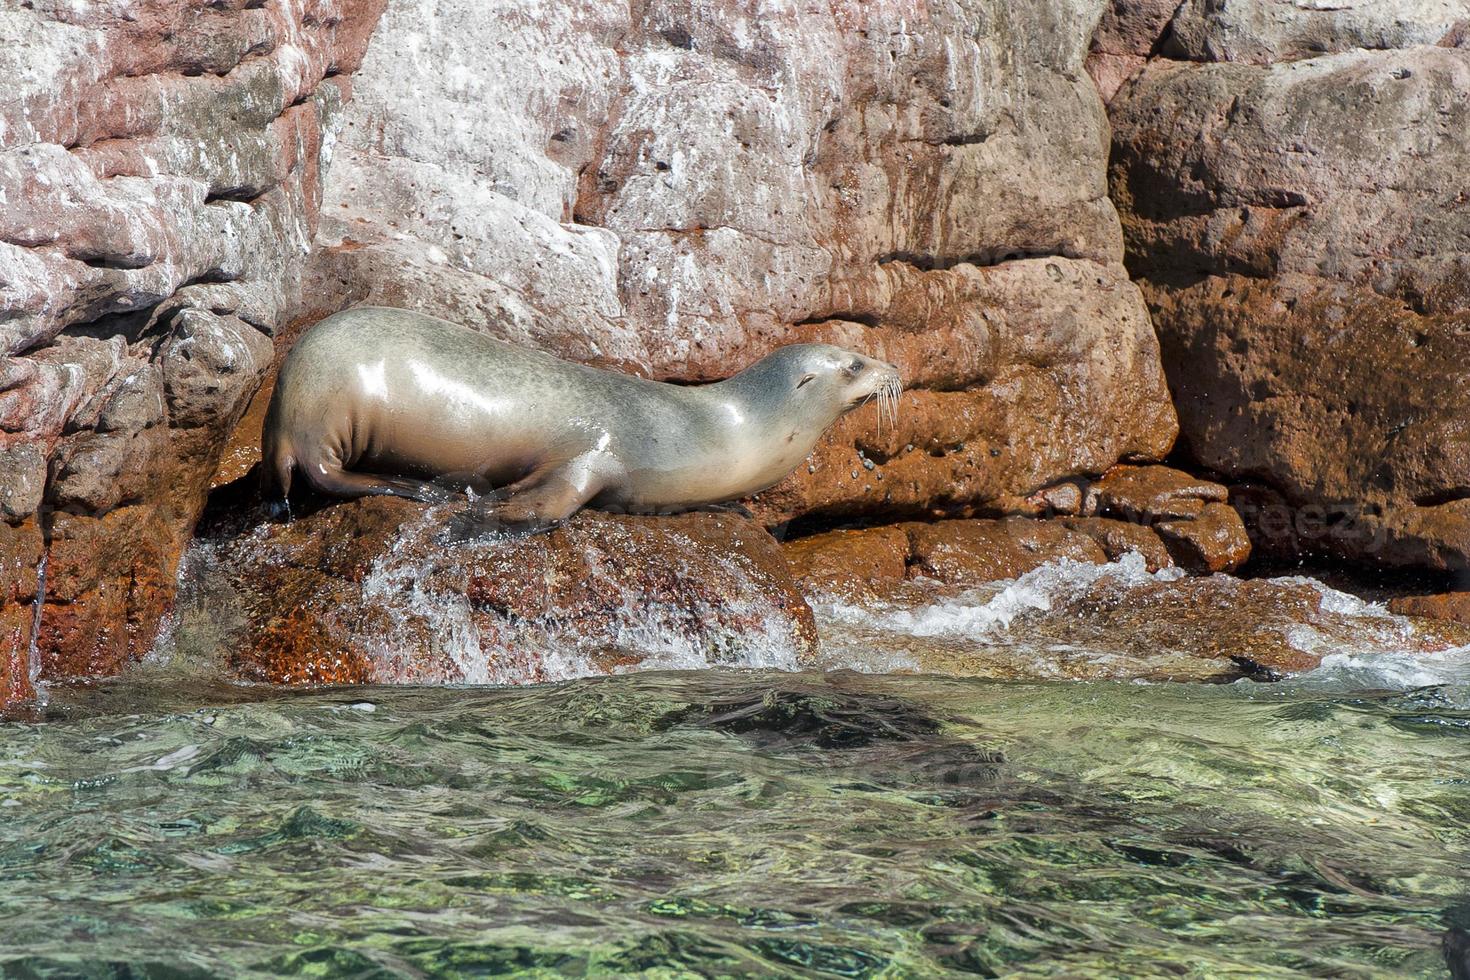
344,483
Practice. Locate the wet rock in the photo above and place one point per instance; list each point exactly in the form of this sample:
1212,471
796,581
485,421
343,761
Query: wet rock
1200,532
1451,606
1249,624
373,590
867,564
1303,259
850,564
987,551
109,583
1139,493
1119,621
930,195
1118,538
1063,498
1215,540
21,548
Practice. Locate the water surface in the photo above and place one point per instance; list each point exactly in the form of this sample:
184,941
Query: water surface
738,823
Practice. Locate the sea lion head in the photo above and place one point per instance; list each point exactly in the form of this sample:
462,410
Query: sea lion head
824,382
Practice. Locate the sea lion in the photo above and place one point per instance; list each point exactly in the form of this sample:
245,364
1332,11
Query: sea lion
378,401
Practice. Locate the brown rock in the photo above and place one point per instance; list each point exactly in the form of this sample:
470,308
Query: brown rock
855,564
1064,498
1304,261
109,582
21,548
1213,541
1118,538
1151,492
972,552
1133,27
1451,606
1187,515
1366,448
1248,622
370,590
1127,36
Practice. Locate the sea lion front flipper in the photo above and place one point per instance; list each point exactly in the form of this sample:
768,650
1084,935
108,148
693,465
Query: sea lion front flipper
543,499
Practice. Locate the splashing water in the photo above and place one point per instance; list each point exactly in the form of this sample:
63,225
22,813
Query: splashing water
1069,619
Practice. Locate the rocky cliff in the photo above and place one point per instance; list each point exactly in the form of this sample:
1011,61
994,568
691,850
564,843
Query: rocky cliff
676,188
673,189
160,179
1291,183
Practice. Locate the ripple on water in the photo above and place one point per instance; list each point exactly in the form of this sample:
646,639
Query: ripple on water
738,823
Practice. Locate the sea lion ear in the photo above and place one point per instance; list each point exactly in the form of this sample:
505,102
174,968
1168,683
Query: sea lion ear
805,379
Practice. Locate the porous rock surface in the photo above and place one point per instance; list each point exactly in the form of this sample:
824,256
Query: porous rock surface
1168,517
160,177
676,189
378,590
1263,32
1293,203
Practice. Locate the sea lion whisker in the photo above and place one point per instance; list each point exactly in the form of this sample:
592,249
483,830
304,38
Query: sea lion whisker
869,397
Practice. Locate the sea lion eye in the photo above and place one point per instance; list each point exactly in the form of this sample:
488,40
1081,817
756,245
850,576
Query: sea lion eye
854,369
805,379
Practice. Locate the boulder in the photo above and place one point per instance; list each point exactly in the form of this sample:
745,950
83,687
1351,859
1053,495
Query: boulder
1189,515
959,552
378,590
1303,255
855,565
1118,538
1270,31
1167,516
1129,33
1450,606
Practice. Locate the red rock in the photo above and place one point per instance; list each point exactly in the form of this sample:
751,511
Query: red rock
1451,606
160,169
1334,376
973,552
1118,538
368,590
858,564
1152,492
21,548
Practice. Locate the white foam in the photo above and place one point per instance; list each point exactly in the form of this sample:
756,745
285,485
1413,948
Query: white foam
1391,671
992,609
1005,619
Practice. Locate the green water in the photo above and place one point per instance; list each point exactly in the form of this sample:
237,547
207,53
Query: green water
729,824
